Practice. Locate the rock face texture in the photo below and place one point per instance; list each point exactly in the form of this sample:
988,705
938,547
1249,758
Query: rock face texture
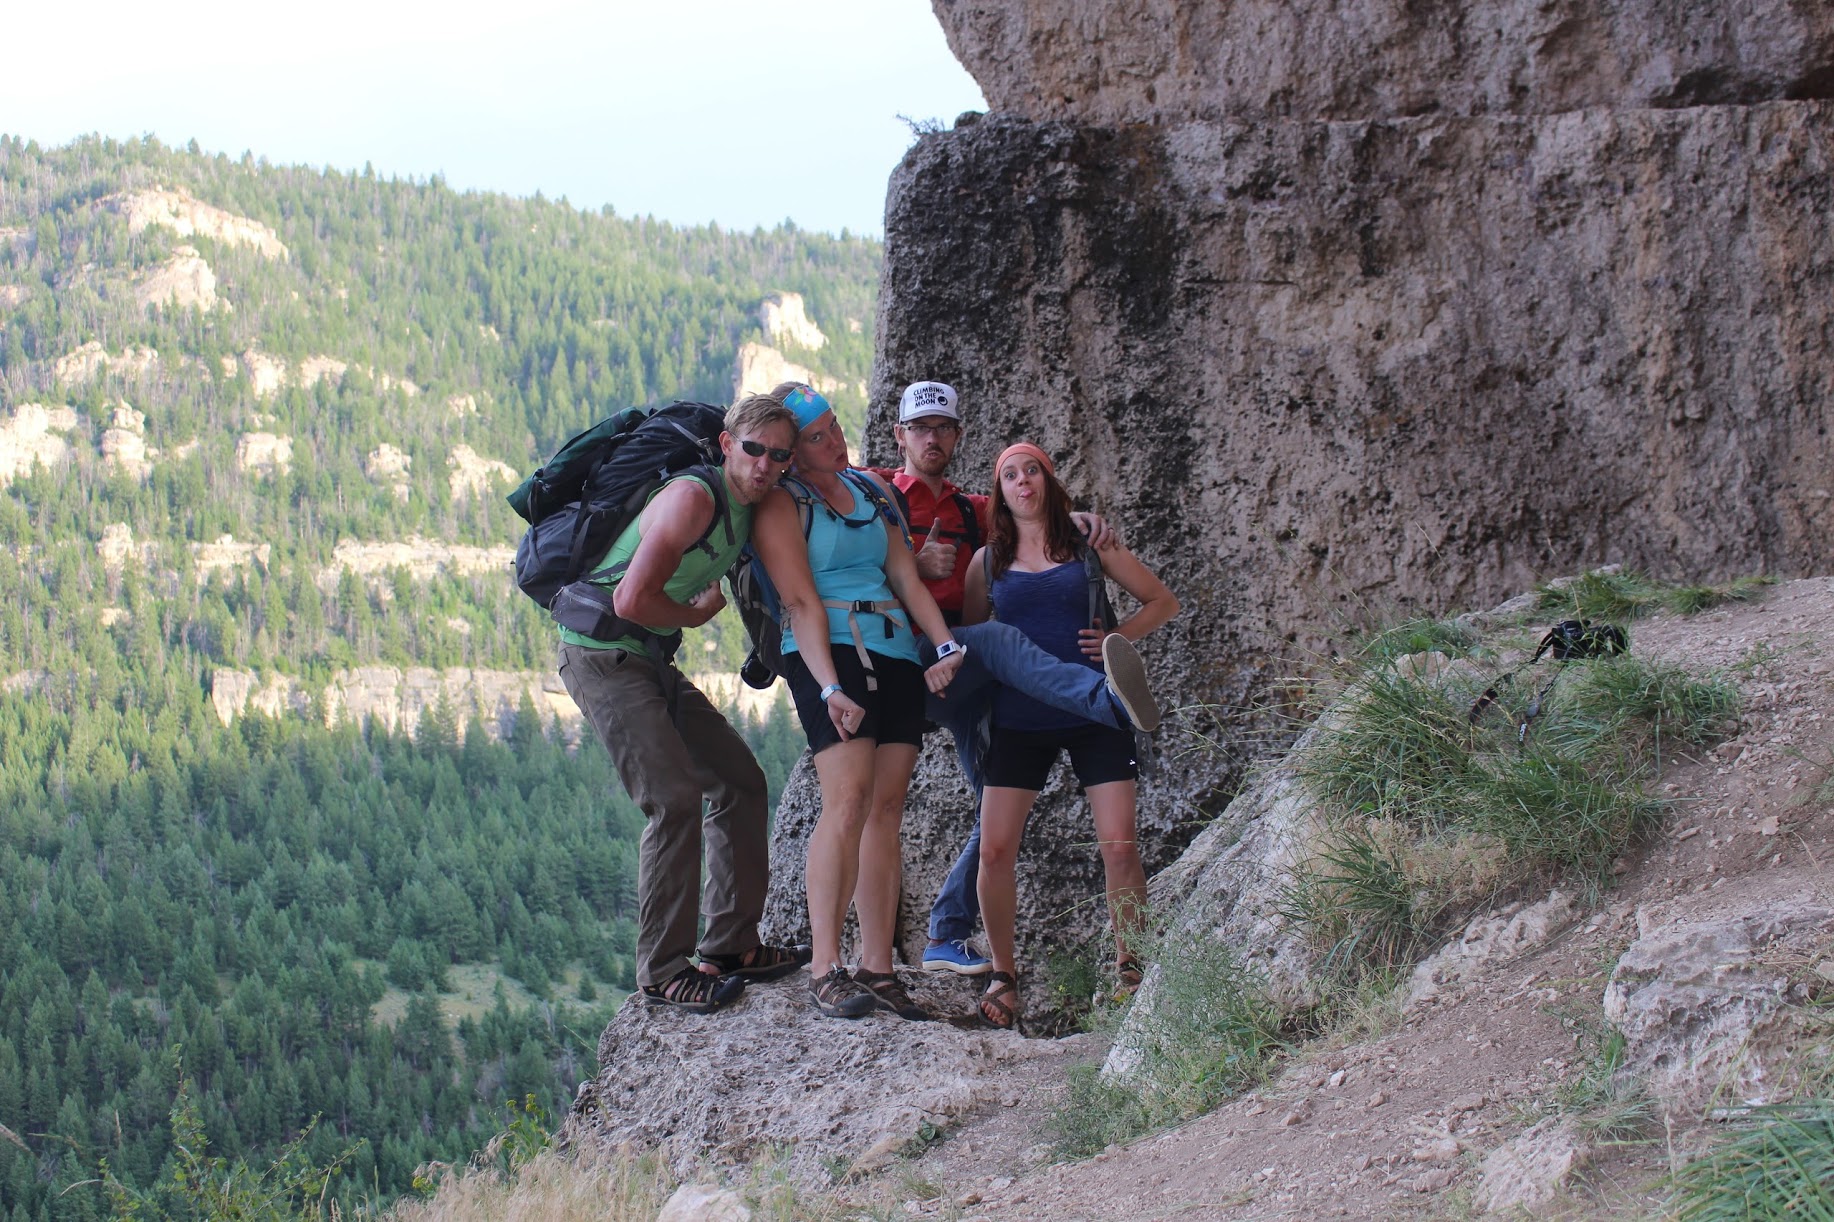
1335,309
1713,996
861,1090
1158,60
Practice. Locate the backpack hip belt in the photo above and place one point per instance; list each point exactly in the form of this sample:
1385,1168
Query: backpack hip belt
853,609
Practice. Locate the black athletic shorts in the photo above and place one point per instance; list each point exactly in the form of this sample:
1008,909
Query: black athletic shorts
894,713
1022,759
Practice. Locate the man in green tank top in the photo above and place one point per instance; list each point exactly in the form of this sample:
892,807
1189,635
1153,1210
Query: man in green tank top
685,767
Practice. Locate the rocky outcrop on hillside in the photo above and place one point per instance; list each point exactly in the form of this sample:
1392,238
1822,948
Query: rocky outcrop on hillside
1716,997
786,322
389,466
85,363
186,216
474,475
399,698
124,447
424,559
118,548
32,435
226,554
264,453
760,367
184,281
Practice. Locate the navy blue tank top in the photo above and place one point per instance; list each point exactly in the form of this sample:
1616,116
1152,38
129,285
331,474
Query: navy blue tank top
1050,608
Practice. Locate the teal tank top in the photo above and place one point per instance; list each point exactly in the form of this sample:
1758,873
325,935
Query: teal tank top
847,556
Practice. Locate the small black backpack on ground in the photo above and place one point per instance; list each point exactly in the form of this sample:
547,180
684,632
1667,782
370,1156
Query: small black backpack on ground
583,498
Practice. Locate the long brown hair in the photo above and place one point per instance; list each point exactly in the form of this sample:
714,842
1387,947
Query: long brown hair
1060,533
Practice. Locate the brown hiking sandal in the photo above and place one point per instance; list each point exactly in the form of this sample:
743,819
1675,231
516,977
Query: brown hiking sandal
884,986
695,991
761,963
1000,1003
839,997
1128,977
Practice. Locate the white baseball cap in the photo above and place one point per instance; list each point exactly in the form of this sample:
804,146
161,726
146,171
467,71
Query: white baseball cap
922,399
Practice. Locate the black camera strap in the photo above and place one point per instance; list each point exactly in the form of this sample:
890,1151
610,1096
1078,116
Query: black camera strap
1568,641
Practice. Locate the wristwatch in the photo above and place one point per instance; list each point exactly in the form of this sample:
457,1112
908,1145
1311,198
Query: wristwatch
829,691
949,649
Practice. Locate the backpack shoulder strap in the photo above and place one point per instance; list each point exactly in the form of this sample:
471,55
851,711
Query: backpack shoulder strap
902,501
993,612
869,488
971,521
1101,612
805,498
722,504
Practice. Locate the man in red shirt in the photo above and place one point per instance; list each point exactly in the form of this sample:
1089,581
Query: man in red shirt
947,527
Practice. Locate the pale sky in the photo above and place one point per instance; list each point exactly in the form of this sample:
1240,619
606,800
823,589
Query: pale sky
744,112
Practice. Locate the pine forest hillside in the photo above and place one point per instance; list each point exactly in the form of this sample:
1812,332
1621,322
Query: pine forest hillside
255,427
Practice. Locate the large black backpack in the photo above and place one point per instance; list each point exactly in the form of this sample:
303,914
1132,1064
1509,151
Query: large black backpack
583,498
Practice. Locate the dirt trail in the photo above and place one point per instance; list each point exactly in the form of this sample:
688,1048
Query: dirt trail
1396,1125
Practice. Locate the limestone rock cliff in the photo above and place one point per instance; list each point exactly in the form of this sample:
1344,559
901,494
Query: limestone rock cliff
1338,309
186,216
1173,60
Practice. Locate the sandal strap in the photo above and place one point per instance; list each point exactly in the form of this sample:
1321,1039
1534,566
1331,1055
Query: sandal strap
688,985
1000,986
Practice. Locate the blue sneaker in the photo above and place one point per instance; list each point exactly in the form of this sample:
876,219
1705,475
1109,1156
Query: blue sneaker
957,957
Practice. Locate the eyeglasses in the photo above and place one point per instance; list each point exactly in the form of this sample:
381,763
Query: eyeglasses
757,449
933,430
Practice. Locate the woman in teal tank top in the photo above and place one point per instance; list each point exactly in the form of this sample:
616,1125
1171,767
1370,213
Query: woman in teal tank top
850,592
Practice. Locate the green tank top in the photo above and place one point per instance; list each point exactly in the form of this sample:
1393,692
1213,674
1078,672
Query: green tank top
696,572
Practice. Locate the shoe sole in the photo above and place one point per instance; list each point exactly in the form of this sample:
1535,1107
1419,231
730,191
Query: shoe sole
1127,681
960,969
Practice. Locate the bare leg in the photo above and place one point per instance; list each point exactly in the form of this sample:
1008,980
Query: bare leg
845,773
1116,831
881,869
1003,814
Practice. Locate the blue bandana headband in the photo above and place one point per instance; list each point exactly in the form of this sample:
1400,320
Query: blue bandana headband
808,406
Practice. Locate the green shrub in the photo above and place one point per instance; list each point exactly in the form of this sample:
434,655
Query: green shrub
1628,594
1397,750
1622,595
1780,1166
1432,809
1212,1032
1419,635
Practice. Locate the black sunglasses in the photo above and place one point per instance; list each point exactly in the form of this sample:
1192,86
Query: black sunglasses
757,449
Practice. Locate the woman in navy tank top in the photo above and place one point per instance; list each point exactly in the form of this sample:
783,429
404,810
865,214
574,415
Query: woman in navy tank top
1032,574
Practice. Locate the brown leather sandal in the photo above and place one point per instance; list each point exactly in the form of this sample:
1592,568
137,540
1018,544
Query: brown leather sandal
1128,977
695,991
1000,1003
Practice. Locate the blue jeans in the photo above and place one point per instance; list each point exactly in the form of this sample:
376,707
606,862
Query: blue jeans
999,653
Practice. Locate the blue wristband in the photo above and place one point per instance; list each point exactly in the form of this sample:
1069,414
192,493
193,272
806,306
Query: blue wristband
829,691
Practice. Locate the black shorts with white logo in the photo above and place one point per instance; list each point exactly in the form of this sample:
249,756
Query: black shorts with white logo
1022,759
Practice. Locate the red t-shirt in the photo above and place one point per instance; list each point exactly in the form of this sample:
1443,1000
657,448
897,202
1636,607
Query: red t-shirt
942,515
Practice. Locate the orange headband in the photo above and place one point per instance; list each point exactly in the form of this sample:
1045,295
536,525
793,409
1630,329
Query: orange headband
1022,447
